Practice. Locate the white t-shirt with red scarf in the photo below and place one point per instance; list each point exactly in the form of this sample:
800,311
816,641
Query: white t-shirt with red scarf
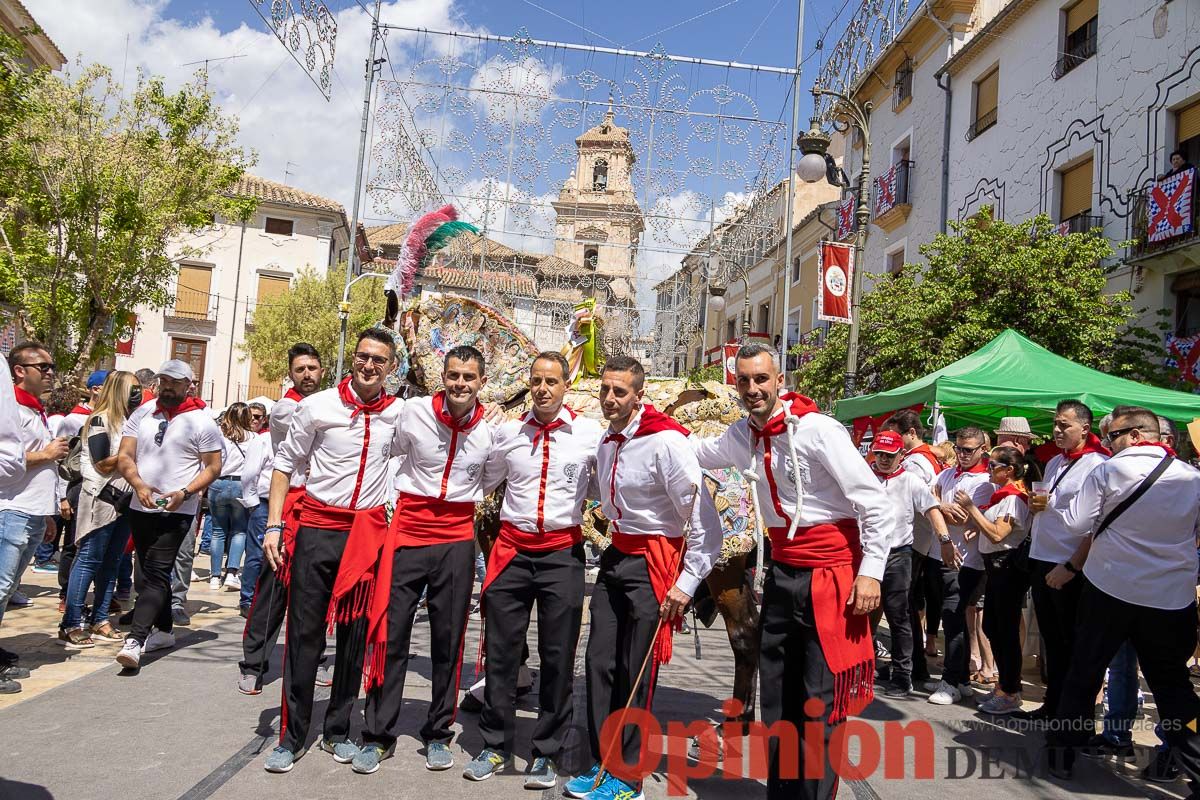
346,449
548,470
31,491
837,483
648,477
910,497
170,443
1052,540
977,482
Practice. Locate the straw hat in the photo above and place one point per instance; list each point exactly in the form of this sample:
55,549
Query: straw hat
1014,426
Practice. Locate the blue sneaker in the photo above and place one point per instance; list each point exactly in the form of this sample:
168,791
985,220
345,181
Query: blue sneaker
614,788
438,757
280,760
580,785
48,568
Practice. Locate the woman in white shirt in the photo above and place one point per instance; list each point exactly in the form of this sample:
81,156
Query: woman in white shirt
230,517
101,528
1003,525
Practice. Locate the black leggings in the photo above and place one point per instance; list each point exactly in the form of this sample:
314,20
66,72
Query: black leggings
1007,583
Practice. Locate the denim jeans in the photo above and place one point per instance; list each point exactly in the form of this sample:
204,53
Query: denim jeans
20,535
229,519
1121,695
255,531
124,579
96,560
206,534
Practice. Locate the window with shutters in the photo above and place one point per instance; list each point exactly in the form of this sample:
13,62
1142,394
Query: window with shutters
193,293
987,98
796,269
1079,43
279,227
1075,191
1187,133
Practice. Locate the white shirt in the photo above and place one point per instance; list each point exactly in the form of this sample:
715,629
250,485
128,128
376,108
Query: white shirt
1017,510
979,486
31,491
338,454
12,450
439,462
647,486
280,420
910,496
173,464
919,465
68,425
1148,555
257,470
923,538
566,457
837,483
233,456
1052,541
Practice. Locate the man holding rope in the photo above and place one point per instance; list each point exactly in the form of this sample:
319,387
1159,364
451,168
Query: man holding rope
653,494
831,524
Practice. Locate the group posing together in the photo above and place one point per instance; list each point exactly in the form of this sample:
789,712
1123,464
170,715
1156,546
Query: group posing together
843,535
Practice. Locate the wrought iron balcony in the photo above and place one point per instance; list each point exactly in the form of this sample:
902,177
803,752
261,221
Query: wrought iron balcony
1075,55
1080,223
1140,224
982,124
194,304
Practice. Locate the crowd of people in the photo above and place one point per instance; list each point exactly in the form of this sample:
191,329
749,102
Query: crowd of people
346,509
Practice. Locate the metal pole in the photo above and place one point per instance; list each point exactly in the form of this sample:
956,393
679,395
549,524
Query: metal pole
861,215
353,266
791,194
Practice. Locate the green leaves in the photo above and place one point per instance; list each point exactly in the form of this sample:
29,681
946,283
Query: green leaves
984,276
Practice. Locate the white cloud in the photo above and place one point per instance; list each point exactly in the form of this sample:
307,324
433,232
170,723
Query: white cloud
283,116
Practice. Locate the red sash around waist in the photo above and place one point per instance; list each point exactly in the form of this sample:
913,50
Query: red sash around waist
421,521
664,555
292,505
833,552
513,540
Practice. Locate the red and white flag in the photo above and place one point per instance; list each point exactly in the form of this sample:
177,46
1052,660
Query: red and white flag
729,359
885,191
1170,206
835,264
845,217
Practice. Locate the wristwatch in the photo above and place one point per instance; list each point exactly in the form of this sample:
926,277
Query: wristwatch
188,494
944,538
1071,568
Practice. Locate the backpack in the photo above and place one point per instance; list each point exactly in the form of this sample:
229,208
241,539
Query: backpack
69,468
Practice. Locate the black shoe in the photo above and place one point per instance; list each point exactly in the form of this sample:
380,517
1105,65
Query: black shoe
1059,761
1163,768
244,611
1039,714
921,678
126,619
1100,746
898,689
15,672
8,658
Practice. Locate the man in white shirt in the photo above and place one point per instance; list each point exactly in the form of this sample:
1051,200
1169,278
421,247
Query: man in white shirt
28,478
546,460
665,538
1138,583
170,452
337,570
910,496
1052,543
445,442
830,525
961,565
72,422
264,595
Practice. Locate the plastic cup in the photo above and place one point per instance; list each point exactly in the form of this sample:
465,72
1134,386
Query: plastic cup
1040,488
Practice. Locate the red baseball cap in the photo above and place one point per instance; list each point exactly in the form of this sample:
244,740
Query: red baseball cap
887,442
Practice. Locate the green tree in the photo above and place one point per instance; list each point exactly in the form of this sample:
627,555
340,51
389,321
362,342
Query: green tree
309,313
982,277
103,193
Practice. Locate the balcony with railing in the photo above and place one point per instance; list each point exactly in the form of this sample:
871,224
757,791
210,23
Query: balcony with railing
892,200
193,311
1164,223
1080,223
985,121
1075,53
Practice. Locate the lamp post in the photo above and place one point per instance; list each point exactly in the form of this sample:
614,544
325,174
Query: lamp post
718,287
817,164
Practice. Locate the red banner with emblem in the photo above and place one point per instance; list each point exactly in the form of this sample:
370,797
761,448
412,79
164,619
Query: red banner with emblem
729,359
835,263
126,331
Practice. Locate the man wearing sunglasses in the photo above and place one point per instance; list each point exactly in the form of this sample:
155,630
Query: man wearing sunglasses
28,496
170,452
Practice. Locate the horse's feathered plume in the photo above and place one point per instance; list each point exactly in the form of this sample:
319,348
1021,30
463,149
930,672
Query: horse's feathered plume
426,236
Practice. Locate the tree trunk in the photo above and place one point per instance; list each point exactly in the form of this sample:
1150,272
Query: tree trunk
83,362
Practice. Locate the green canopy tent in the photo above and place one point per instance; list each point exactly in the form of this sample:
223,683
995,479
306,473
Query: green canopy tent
1012,376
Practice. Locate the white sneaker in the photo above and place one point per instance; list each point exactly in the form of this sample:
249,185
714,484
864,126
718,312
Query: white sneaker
214,583
130,656
232,583
158,640
195,578
945,695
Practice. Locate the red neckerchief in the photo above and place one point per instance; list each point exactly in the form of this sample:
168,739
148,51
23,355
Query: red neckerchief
444,416
927,451
1091,445
1007,490
80,409
545,428
883,477
292,394
777,426
381,401
188,404
543,431
981,466
1170,450
30,402
652,421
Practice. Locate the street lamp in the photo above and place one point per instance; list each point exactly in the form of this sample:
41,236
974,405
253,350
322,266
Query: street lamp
816,164
717,289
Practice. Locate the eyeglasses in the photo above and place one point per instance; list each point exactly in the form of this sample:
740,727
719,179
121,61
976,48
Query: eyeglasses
162,432
365,358
42,367
966,451
257,416
1119,432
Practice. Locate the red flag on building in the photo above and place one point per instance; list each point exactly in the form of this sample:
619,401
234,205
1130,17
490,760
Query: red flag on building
126,332
835,264
729,359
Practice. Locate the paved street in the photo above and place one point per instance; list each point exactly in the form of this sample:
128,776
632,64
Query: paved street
85,731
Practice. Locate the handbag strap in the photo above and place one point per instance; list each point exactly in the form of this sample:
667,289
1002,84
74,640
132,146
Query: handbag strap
1146,483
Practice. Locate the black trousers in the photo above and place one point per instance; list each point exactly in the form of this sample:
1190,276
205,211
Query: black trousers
792,668
554,581
1007,583
923,568
1164,641
156,540
896,588
957,588
1056,610
624,618
314,568
263,622
448,570
66,528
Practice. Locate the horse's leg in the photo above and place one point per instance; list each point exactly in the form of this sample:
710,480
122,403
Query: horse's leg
731,590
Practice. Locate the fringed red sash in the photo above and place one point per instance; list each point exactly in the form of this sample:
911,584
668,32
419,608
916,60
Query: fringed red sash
663,556
291,523
363,584
420,521
833,553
